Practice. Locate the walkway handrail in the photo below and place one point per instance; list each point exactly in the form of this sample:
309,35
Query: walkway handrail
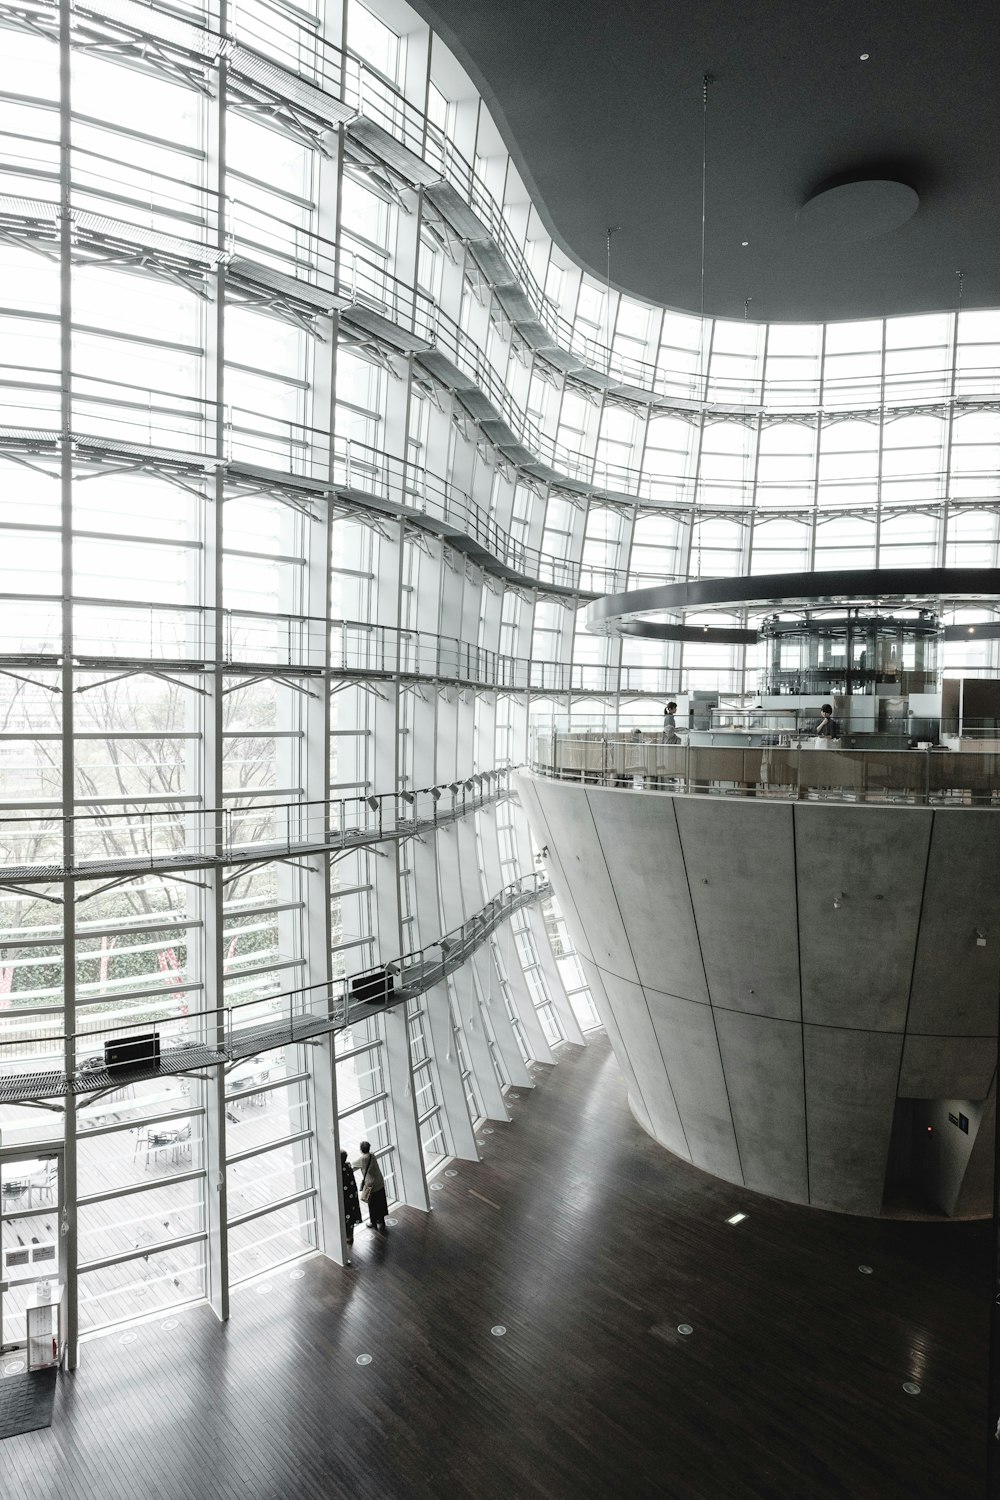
184,834
297,643
345,279
225,1033
963,777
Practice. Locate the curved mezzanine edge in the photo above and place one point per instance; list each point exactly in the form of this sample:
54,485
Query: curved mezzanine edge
617,613
428,502
960,778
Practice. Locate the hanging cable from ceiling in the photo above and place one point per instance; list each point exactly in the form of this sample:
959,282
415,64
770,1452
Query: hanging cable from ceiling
612,229
706,81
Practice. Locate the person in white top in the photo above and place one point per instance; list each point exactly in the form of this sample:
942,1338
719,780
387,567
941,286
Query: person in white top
372,1187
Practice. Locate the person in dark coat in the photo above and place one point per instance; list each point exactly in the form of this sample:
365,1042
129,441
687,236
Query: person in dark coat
352,1206
372,1187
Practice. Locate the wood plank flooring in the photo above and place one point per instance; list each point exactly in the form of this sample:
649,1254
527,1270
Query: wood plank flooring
590,1245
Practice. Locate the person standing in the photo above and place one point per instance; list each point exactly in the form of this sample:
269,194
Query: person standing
372,1188
670,735
827,728
352,1207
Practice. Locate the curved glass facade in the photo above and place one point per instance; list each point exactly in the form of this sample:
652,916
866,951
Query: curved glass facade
311,446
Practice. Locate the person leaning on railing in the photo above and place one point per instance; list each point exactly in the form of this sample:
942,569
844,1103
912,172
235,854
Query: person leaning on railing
670,735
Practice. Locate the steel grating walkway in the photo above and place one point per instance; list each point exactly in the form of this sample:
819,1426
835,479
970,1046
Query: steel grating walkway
417,972
331,842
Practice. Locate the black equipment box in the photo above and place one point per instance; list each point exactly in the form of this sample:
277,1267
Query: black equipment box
133,1052
375,988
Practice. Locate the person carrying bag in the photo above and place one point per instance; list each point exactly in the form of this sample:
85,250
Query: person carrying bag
372,1188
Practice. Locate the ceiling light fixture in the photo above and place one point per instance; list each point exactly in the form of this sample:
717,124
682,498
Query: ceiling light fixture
865,56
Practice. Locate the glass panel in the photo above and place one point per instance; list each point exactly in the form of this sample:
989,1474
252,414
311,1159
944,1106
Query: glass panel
146,1284
276,1174
142,1219
271,1240
140,1154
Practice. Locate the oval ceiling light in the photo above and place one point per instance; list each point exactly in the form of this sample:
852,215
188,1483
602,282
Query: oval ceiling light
860,210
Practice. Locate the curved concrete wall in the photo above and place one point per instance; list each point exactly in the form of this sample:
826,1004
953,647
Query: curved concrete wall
773,975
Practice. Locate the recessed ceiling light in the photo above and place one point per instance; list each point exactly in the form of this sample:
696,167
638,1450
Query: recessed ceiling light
744,243
736,1219
865,56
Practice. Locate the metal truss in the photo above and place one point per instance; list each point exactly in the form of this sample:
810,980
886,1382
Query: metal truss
258,87
389,183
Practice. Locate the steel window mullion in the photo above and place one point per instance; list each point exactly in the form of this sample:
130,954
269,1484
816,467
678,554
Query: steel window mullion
254,1151
353,1109
358,1051
270,1208
143,1254
70,1241
139,1187
267,1088
120,1126
29,1213
85,1001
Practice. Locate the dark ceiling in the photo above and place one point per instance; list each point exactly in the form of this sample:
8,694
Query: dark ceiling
600,103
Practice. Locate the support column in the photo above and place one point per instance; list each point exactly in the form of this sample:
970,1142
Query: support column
561,1003
437,1003
403,1104
68,1222
475,1037
212,947
313,877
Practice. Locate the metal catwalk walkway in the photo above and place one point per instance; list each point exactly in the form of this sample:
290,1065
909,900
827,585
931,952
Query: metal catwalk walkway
327,841
299,1022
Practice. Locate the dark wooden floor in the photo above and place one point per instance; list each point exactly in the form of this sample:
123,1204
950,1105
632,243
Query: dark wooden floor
590,1245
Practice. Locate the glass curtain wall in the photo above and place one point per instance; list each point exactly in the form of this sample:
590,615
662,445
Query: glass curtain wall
269,580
